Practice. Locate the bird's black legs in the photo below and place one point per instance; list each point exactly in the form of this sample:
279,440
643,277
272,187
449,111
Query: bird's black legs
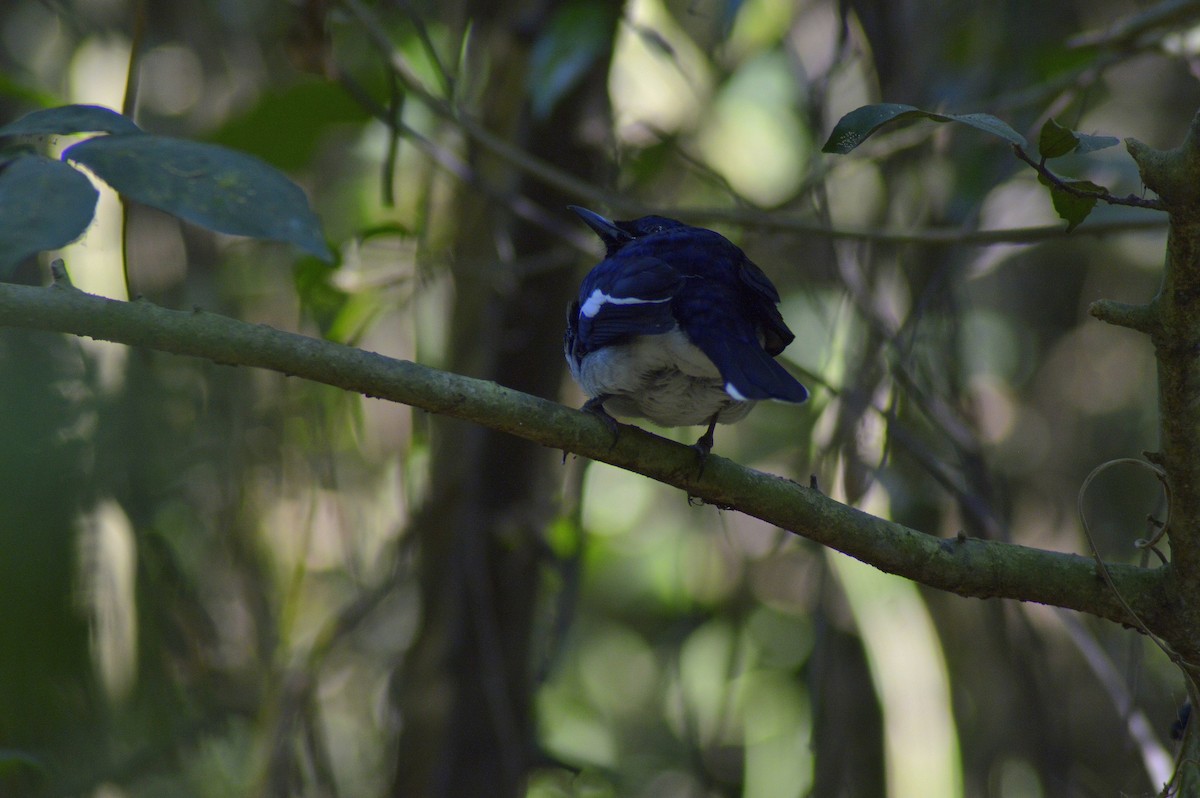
704,446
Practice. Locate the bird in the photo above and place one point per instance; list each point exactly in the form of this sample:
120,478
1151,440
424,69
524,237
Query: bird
675,325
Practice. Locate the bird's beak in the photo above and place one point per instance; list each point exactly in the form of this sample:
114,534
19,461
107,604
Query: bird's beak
609,233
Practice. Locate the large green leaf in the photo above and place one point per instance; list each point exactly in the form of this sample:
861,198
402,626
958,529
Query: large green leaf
44,204
306,110
68,119
576,36
20,772
857,126
206,184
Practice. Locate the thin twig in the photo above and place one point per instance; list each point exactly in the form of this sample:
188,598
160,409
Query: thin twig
1130,200
1102,567
627,208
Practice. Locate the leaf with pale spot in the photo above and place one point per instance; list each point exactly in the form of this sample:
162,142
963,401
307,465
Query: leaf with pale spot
857,126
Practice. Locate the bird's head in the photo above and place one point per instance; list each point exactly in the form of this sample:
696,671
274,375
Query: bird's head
616,234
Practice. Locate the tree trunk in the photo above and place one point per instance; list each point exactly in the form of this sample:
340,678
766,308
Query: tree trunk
465,691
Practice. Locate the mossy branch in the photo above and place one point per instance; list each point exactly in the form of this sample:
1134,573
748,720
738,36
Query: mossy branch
968,567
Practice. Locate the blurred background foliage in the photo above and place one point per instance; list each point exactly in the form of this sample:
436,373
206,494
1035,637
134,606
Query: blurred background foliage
218,582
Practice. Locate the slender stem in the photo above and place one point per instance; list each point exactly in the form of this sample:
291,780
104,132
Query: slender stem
1130,200
625,207
129,108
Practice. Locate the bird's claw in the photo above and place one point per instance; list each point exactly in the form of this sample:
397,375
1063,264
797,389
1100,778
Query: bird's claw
595,406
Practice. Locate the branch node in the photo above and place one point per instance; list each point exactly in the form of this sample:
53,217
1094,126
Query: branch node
58,274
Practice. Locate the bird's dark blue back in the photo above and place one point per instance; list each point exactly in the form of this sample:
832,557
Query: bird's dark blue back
719,280
661,275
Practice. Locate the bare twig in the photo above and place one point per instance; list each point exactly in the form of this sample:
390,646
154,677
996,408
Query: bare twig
1130,200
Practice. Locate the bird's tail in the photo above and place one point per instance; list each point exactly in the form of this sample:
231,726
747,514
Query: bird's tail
750,373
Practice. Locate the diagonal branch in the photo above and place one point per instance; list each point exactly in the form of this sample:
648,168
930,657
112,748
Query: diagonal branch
966,566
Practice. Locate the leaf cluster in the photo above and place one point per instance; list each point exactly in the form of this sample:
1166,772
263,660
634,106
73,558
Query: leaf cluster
47,203
1073,199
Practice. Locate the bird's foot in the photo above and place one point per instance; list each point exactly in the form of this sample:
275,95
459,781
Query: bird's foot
595,406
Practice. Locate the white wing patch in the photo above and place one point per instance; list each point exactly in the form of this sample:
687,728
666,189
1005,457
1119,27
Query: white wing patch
598,298
737,396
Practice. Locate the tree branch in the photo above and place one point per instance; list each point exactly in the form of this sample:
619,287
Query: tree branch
966,566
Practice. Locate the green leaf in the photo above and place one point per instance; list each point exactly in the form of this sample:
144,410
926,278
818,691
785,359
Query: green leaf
206,184
306,110
319,296
68,119
13,761
1055,140
857,126
1088,143
13,88
578,34
44,204
1071,208
987,123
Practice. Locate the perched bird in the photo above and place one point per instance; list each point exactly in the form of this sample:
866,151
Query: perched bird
676,325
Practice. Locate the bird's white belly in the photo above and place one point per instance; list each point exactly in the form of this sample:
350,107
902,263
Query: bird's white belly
664,378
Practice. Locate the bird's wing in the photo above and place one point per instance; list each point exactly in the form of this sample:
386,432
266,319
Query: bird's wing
726,333
757,280
623,297
776,335
708,256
